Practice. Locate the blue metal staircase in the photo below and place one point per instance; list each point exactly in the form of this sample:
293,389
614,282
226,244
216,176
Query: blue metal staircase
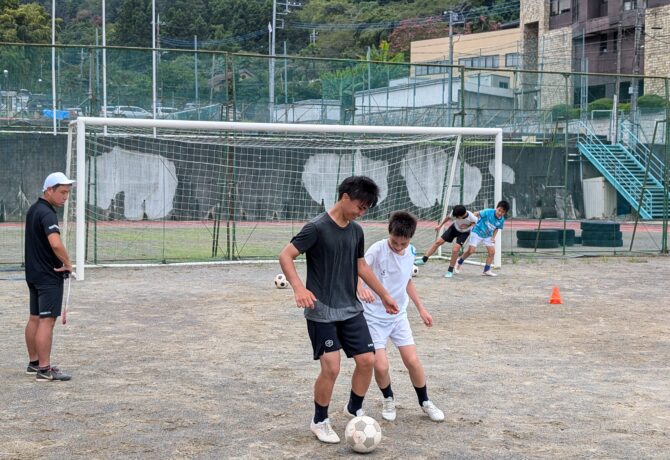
624,166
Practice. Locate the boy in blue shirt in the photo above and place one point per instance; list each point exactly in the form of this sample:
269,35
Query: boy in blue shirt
485,231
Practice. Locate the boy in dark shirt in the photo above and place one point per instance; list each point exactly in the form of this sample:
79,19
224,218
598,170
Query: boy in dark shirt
335,249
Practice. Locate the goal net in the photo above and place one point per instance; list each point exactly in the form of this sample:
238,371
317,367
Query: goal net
170,191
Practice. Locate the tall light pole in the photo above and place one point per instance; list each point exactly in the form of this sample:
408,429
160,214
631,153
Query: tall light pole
6,86
271,80
53,64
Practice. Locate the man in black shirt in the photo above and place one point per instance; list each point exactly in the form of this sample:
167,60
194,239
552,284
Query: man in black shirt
334,246
47,263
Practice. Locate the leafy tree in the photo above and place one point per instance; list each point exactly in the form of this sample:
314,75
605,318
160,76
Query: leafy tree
185,19
133,27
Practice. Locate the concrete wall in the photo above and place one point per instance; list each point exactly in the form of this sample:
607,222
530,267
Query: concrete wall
275,193
656,40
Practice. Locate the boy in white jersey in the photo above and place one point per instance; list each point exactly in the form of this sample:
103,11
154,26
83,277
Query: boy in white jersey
463,220
392,260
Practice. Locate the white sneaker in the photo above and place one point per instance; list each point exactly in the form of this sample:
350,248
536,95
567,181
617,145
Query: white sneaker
388,409
489,272
457,268
435,414
324,431
359,413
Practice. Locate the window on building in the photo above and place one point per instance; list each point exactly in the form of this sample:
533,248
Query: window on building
603,43
427,69
503,84
557,7
513,60
489,62
629,5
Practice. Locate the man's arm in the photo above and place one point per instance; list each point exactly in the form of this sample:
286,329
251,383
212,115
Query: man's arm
366,273
304,298
60,251
423,313
495,232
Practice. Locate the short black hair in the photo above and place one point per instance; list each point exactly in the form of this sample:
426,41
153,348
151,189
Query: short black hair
402,223
360,188
503,204
459,211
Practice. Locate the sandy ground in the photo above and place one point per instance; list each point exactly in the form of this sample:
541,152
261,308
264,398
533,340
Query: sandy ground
214,362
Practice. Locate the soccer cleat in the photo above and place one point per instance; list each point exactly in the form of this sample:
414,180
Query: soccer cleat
449,275
388,409
457,268
359,413
435,414
488,273
324,432
419,262
51,374
32,369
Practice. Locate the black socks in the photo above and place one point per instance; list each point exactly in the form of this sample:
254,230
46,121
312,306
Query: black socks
422,394
355,402
387,392
320,412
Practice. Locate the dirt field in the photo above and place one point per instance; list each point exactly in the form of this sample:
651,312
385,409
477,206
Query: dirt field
214,362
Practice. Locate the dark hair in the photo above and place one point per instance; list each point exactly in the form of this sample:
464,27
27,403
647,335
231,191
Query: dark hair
503,204
360,188
402,223
459,211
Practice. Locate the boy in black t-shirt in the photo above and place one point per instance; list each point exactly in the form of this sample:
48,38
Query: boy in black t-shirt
334,247
47,261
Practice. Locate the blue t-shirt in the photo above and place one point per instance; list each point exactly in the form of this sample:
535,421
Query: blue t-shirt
488,223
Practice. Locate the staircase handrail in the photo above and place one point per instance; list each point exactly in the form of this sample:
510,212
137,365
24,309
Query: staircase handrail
641,152
636,185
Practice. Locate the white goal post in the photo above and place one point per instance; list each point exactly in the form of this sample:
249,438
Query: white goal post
245,167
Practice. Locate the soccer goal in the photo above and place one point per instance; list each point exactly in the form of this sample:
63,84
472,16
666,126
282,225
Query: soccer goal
173,191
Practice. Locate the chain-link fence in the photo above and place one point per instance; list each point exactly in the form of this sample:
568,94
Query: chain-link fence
572,156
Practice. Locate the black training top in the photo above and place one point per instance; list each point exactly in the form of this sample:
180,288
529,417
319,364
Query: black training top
332,267
41,221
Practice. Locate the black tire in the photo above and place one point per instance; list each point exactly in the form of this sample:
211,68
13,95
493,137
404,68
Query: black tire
568,241
532,235
578,240
603,243
541,244
600,226
609,235
569,233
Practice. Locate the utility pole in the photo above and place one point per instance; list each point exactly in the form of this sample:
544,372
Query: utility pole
451,63
636,63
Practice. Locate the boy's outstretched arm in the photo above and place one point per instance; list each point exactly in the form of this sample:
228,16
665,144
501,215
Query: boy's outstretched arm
367,275
423,313
304,298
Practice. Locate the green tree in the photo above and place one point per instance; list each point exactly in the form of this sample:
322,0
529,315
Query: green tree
185,19
133,27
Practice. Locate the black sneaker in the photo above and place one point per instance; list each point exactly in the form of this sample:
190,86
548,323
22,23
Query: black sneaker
50,374
32,369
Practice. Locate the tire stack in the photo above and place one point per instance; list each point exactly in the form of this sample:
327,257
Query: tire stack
546,239
601,234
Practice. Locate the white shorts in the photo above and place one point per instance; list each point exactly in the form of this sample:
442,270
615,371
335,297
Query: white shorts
398,330
476,239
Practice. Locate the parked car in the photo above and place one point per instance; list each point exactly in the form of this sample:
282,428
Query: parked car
110,111
130,111
165,112
74,112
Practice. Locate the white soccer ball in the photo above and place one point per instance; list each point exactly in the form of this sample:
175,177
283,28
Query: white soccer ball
363,434
281,282
415,270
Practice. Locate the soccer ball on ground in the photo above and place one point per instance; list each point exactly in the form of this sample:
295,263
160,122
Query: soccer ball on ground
415,270
280,281
363,434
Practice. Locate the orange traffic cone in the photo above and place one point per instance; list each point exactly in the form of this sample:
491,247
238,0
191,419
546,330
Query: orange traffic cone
555,297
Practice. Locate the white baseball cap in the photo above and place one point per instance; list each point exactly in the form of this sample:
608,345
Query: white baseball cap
57,178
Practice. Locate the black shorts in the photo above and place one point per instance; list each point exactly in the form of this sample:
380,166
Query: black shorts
451,233
45,300
351,335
